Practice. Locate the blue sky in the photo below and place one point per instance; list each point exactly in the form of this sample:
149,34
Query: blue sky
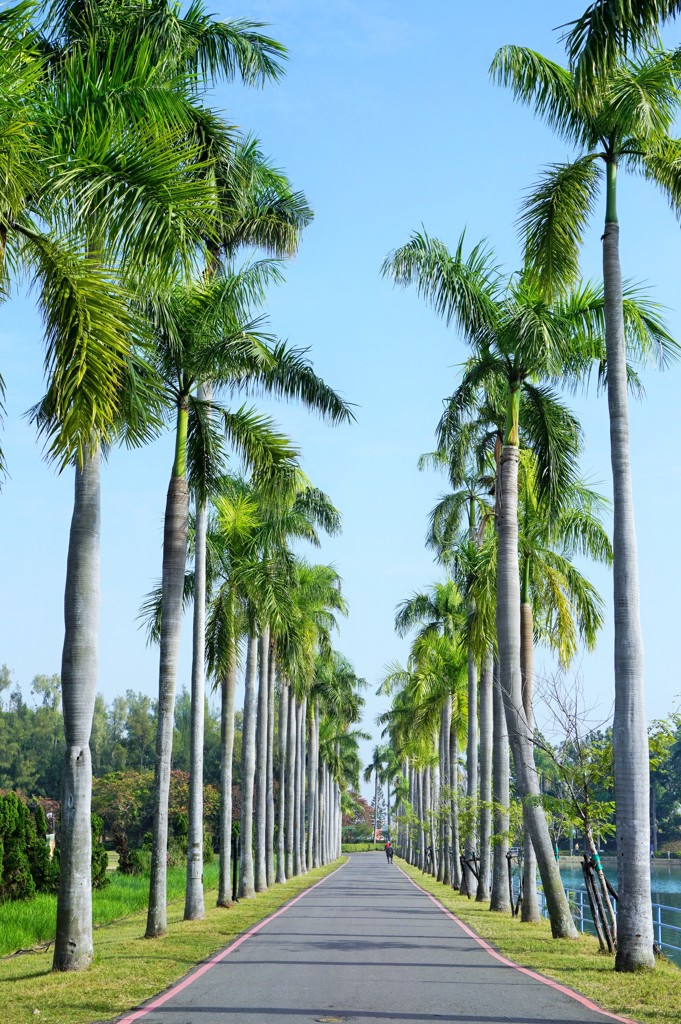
388,121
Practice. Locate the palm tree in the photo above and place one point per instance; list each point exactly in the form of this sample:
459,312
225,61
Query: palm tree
257,207
113,186
624,119
375,768
520,331
202,332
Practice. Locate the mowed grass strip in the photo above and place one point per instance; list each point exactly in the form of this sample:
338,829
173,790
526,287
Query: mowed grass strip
652,997
128,969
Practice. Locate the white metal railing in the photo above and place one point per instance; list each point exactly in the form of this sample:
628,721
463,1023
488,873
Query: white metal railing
664,931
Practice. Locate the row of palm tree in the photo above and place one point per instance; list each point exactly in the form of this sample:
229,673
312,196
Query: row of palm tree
543,329
129,200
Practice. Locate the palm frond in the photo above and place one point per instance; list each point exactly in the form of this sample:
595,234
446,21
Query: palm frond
543,85
461,289
555,213
609,28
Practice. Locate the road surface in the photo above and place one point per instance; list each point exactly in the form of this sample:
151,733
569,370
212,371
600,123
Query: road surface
365,946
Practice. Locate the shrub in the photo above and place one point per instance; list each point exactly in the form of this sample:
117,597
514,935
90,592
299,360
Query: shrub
17,881
100,860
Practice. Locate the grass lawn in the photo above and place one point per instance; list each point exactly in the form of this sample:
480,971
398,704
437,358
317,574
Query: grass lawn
128,968
652,997
27,923
362,847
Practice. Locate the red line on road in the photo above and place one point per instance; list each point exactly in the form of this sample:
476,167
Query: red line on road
186,982
509,963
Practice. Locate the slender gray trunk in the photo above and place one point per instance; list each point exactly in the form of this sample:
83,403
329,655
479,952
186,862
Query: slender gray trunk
454,773
630,738
530,903
247,883
499,899
194,907
315,830
486,727
269,821
468,882
434,772
291,785
73,949
261,763
520,733
445,726
283,777
300,776
311,788
172,593
421,814
228,696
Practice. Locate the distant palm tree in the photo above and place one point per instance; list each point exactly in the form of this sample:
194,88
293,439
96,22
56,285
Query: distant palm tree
375,769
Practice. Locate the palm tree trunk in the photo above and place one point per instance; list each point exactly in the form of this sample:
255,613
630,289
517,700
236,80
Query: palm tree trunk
421,814
315,831
283,783
291,785
228,695
468,880
454,774
73,948
530,905
269,821
520,733
247,883
327,813
445,726
434,800
301,783
630,738
194,907
482,894
172,592
499,899
311,789
261,763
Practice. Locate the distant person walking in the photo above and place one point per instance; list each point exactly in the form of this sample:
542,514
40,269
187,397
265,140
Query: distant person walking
389,852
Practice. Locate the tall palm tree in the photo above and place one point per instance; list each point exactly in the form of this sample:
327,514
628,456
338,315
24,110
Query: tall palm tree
257,208
115,185
375,768
313,592
518,331
202,332
624,119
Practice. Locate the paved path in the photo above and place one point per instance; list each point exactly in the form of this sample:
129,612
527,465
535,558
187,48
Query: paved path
365,946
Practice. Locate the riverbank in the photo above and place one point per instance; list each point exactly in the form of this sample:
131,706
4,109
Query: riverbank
651,997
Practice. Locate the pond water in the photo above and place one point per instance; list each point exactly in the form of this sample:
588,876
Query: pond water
665,889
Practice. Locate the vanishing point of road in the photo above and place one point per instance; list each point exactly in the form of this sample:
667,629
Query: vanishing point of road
366,946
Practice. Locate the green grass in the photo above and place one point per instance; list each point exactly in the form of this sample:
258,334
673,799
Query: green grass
361,847
652,997
28,923
128,968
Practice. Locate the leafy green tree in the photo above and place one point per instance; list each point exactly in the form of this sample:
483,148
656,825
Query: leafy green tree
17,882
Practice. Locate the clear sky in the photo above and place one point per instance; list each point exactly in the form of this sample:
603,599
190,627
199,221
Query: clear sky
388,121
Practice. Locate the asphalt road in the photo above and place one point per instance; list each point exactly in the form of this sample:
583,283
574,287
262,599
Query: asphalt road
365,946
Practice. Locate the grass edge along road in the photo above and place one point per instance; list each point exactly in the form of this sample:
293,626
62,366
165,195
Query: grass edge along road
128,969
651,997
